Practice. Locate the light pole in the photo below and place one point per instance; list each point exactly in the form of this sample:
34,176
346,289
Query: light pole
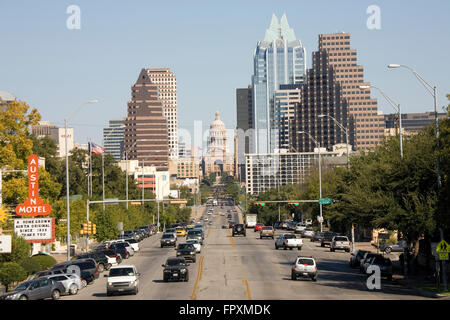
320,176
346,135
396,106
433,91
67,173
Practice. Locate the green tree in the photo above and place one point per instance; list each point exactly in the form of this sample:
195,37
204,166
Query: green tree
20,249
11,272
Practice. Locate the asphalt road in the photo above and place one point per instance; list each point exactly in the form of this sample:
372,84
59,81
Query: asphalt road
245,268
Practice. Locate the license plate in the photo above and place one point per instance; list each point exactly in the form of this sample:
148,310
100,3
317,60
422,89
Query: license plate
120,289
175,274
305,273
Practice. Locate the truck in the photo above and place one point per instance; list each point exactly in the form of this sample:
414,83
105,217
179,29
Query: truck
215,202
250,220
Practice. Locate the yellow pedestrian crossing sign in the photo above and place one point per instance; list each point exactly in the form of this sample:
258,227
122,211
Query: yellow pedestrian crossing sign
443,247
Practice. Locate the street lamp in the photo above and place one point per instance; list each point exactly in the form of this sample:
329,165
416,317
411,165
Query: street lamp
433,91
346,135
396,106
67,173
320,176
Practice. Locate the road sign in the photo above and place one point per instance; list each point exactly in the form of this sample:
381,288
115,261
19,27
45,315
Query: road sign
443,247
443,256
325,201
319,219
3,215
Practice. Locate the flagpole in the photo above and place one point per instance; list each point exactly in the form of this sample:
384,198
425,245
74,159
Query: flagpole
89,165
103,179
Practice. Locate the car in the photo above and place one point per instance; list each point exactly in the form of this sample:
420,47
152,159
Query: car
355,258
110,253
305,267
171,230
308,222
258,226
168,239
383,263
340,243
198,225
299,227
288,240
239,229
197,245
124,247
307,233
205,219
267,232
175,269
277,225
317,237
146,230
133,244
103,261
181,232
365,261
396,247
71,282
187,251
196,234
327,238
88,269
231,224
37,289
210,223
123,278
202,232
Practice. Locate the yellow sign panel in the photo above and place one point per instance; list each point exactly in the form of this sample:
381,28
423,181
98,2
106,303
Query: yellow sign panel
443,256
443,247
3,214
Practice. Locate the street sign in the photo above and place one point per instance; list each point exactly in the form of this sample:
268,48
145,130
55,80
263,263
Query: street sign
443,256
319,219
325,201
5,243
443,247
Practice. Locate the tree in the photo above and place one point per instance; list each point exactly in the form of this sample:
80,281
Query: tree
11,272
20,249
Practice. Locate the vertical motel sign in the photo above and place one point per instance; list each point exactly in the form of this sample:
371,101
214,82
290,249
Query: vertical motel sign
33,206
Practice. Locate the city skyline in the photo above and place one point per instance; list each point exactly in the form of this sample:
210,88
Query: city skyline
63,55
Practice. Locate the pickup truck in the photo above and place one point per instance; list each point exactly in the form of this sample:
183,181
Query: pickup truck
327,238
340,243
288,240
267,232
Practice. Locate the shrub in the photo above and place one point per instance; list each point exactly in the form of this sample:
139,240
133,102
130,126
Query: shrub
11,272
45,261
30,265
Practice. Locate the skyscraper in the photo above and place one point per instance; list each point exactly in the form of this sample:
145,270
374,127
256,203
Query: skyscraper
244,107
113,138
167,84
146,136
279,59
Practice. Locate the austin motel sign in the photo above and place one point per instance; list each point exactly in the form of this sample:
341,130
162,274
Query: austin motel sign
33,206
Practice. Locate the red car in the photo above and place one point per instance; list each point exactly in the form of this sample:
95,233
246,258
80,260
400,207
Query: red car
259,226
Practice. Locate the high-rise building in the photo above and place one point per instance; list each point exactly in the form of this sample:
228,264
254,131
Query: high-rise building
244,119
279,59
145,135
167,84
113,138
45,128
411,122
286,101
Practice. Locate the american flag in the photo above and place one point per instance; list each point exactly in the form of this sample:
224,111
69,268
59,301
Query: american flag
96,149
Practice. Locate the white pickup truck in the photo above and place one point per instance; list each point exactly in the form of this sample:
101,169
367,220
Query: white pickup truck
288,240
250,220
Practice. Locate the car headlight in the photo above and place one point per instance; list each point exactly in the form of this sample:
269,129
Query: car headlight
178,253
183,270
192,252
12,297
110,284
132,283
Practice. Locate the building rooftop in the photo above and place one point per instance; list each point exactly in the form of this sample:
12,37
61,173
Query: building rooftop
6,96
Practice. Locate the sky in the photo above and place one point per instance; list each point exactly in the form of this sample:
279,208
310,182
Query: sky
209,46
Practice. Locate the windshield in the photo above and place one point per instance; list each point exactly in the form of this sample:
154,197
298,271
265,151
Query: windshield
121,272
171,230
309,262
131,241
167,236
22,286
290,236
341,239
267,228
175,262
192,241
195,232
187,246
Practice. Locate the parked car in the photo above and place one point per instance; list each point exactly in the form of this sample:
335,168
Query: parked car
277,225
168,239
327,238
258,226
340,243
396,247
267,232
175,269
317,237
365,261
383,263
111,253
124,248
122,279
71,282
134,244
103,261
299,227
197,245
307,233
355,258
288,240
88,269
129,234
195,234
38,289
187,251
146,230
239,229
305,267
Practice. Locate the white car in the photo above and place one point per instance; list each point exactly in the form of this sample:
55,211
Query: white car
304,267
196,243
122,279
133,243
71,282
288,240
307,233
299,228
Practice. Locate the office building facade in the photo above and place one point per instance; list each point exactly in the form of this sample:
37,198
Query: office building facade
113,138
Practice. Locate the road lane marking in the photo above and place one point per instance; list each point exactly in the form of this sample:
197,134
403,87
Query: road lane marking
232,239
197,279
245,282
209,231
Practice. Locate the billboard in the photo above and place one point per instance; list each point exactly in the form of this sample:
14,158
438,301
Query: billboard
36,230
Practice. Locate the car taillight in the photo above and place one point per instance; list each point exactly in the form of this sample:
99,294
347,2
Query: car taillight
295,268
97,269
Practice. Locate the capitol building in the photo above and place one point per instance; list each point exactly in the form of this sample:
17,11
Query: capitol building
217,159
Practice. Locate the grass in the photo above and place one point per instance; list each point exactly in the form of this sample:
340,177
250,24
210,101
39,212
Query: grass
434,289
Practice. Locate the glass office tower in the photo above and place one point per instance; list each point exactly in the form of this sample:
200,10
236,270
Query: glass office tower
279,59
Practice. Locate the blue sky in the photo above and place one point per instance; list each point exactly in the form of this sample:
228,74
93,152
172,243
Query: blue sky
209,45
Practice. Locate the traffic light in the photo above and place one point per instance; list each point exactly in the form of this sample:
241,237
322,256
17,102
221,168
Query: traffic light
295,204
260,204
89,227
85,228
94,229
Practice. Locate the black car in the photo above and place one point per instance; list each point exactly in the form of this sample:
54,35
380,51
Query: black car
355,258
327,238
187,251
317,237
146,230
168,239
175,269
120,247
230,224
99,257
88,268
110,252
239,229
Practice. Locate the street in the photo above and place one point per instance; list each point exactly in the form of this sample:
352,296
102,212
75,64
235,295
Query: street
245,268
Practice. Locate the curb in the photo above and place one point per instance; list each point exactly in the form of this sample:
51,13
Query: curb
424,293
